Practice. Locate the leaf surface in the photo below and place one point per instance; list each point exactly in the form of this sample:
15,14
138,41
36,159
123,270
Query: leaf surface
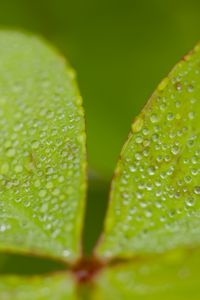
172,276
42,150
57,287
155,193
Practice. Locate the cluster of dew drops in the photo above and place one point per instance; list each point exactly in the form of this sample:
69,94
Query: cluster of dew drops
40,169
157,180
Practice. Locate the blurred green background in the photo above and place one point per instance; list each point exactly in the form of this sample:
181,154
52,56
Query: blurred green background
120,50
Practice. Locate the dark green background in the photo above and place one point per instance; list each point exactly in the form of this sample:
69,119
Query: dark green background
120,50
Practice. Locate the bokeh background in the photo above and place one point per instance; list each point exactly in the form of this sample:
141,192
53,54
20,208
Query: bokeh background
120,51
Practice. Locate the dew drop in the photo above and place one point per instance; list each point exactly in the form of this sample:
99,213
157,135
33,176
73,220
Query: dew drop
10,152
154,118
137,124
197,190
178,86
35,144
190,201
18,169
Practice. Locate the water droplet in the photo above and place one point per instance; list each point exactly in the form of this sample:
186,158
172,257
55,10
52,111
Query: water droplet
197,190
190,201
10,152
191,115
154,118
190,88
42,193
163,84
137,124
178,86
35,144
18,169
175,150
4,168
151,170
170,116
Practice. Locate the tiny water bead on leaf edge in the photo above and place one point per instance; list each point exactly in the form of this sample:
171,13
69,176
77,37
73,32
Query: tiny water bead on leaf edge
155,194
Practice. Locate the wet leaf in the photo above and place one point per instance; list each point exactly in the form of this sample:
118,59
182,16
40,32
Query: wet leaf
172,276
155,194
57,287
42,150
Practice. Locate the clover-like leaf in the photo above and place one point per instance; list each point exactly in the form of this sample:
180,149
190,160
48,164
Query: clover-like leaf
42,150
174,275
155,194
57,287
150,244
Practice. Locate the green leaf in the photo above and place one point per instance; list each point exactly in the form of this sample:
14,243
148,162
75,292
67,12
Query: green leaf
57,287
42,150
172,276
155,194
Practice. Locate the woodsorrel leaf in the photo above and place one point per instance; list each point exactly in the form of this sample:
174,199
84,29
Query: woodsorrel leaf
174,275
56,287
155,193
42,150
